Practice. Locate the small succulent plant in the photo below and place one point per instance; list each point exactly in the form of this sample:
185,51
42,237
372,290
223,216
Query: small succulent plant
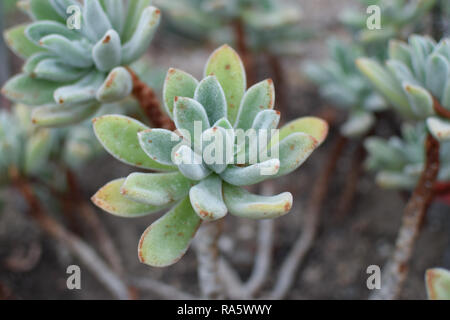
399,162
416,81
266,22
214,109
398,18
438,284
70,73
342,84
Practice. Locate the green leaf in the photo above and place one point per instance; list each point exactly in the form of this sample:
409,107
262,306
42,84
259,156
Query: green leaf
119,136
167,240
37,151
259,97
59,115
95,20
437,72
83,91
358,124
107,53
420,100
158,189
159,144
34,60
252,174
134,12
439,128
438,284
218,148
186,114
117,86
210,95
394,180
190,164
56,70
71,52
227,66
115,10
177,84
40,29
43,10
399,50
33,92
18,42
143,35
315,127
207,200
109,199
243,204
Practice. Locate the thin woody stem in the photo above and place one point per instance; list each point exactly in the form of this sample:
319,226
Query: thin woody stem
247,59
149,103
396,269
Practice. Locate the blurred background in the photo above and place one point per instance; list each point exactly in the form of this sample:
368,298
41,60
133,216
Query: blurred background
33,266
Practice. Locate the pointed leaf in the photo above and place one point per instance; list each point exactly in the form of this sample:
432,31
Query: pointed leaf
420,100
25,89
252,174
18,42
167,240
243,204
439,128
159,144
210,95
207,200
177,84
158,189
117,86
187,114
107,53
109,199
59,115
119,136
259,97
227,66
143,35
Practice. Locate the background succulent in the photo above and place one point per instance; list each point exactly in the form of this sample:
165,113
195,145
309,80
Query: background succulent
268,24
343,85
201,191
438,284
69,73
399,162
398,19
416,81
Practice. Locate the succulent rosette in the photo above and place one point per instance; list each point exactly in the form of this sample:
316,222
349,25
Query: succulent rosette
399,161
70,70
416,81
343,85
208,113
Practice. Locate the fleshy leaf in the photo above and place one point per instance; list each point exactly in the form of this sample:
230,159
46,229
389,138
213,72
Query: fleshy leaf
227,66
158,189
159,144
37,151
210,95
259,97
186,114
190,164
18,42
139,42
82,91
40,29
95,20
119,136
420,100
117,86
115,11
437,72
207,200
216,141
43,10
33,92
438,284
177,84
358,124
109,199
56,70
243,204
439,128
34,60
252,174
59,115
107,53
134,12
72,52
315,127
167,240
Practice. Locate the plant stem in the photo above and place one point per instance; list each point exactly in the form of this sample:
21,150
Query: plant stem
396,269
278,80
247,59
286,275
75,245
149,103
208,260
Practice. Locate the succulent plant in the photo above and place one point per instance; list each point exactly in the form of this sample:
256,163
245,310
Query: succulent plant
399,162
218,109
398,18
266,22
438,284
70,73
416,81
344,86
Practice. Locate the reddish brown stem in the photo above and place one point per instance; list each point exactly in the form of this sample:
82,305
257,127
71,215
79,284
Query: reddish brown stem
396,268
247,58
286,275
149,104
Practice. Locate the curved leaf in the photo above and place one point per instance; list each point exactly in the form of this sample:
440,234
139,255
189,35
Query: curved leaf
59,115
117,86
177,84
210,95
207,200
107,53
246,176
315,127
159,144
18,42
